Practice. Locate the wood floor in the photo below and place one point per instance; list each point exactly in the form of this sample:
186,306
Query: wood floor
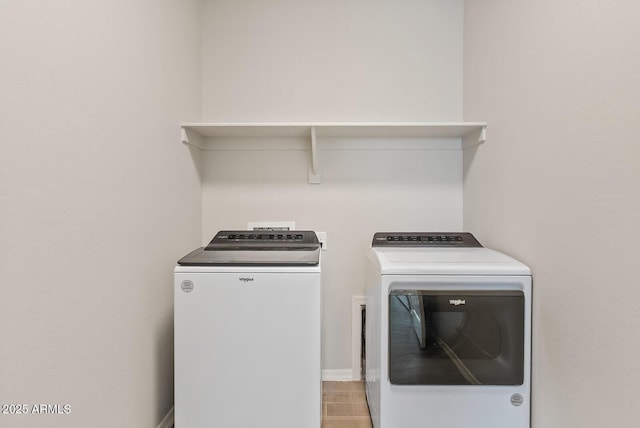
344,405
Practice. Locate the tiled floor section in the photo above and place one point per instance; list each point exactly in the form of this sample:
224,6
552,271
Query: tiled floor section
344,405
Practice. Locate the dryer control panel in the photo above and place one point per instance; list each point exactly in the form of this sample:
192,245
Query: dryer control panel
424,239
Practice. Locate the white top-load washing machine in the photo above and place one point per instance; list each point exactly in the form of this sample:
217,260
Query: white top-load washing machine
448,333
247,332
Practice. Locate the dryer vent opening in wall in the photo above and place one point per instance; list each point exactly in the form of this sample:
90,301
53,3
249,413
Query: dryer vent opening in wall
363,338
358,321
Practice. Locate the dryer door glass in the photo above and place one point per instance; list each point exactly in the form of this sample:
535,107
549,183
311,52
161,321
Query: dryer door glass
456,337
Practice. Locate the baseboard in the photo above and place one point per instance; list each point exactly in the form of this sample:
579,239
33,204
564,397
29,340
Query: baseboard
336,375
168,420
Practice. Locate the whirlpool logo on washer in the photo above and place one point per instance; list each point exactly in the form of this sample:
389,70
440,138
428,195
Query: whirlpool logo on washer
187,286
457,302
245,279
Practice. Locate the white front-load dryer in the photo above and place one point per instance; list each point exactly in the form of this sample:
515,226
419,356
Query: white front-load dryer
448,333
247,332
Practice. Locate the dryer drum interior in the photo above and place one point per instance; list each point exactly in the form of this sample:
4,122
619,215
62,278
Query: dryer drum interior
456,338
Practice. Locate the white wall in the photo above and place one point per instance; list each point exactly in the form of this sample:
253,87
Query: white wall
332,60
558,185
98,199
288,61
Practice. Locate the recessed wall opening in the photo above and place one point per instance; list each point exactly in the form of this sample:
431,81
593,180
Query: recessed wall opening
363,348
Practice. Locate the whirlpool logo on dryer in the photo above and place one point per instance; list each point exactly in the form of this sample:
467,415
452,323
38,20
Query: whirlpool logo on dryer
245,279
457,302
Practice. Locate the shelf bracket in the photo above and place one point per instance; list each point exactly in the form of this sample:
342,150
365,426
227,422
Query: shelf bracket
314,168
474,138
483,135
191,138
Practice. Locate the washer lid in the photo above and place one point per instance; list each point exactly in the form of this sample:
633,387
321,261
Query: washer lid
444,261
251,248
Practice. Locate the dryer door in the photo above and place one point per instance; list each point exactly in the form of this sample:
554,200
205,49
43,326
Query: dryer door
456,337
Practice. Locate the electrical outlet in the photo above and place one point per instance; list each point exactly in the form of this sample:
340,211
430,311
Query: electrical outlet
322,237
